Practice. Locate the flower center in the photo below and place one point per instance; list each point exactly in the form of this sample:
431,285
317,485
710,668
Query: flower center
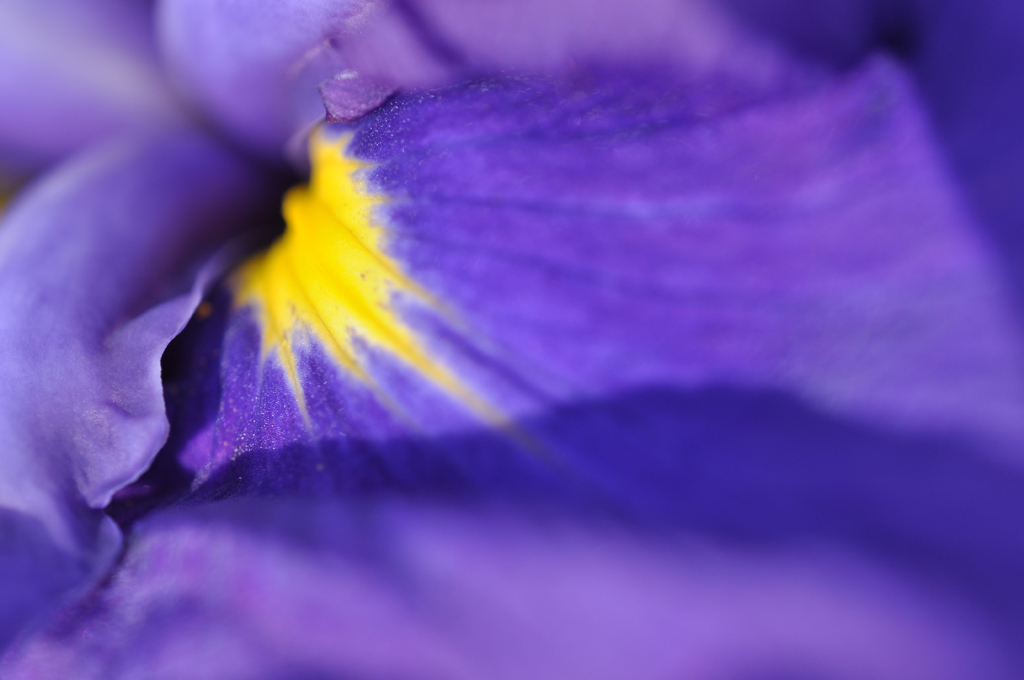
329,278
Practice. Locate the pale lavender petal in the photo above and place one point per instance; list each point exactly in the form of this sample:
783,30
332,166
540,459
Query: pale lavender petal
245,64
255,68
291,590
72,73
101,264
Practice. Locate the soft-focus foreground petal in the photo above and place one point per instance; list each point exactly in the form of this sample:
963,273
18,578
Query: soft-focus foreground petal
600,299
101,265
72,73
244,62
281,590
255,69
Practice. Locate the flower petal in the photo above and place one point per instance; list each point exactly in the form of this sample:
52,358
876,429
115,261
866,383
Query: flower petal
101,264
508,247
290,590
72,73
255,69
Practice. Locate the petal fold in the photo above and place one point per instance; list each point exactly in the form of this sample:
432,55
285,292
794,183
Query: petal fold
101,264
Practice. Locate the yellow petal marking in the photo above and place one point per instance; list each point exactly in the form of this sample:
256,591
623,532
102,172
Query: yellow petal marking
329,278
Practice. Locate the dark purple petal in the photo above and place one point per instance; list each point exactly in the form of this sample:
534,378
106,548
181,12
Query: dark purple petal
817,245
969,65
841,32
591,239
101,264
289,590
72,73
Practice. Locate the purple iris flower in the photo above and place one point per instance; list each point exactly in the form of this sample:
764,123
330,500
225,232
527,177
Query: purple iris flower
598,340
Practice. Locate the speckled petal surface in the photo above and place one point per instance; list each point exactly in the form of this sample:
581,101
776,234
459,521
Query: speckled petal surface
72,73
101,265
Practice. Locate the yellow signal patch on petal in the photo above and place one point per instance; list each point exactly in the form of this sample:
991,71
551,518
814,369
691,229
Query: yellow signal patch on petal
328,278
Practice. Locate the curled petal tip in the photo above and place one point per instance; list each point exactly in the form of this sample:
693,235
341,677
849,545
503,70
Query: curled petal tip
349,96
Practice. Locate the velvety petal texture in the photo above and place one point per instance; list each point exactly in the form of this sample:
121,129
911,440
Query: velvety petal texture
255,68
643,351
590,377
72,73
101,265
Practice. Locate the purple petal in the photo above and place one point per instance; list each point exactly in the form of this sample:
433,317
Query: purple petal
255,69
286,590
582,241
72,73
348,96
101,264
684,309
817,245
